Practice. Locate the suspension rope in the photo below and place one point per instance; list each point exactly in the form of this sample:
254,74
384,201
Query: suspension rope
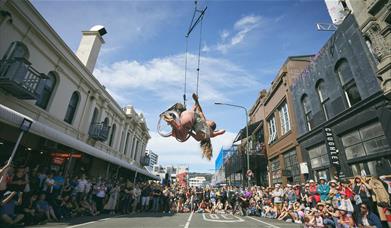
199,54
184,90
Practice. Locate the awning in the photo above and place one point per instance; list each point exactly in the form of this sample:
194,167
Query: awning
251,128
14,118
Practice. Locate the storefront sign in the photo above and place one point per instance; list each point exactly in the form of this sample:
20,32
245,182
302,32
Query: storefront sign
58,160
331,148
65,155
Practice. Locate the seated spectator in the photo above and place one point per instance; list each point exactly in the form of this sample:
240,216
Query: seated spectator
7,210
367,218
31,216
44,207
345,219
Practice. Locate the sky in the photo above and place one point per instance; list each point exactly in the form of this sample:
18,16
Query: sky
142,63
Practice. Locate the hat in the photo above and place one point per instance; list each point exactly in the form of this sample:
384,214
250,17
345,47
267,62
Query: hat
277,185
333,181
289,186
7,193
312,181
323,178
307,185
321,204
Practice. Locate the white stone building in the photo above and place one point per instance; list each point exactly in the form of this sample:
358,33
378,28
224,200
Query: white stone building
197,182
41,79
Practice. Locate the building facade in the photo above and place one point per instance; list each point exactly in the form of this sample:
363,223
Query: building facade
283,151
41,79
343,115
374,21
197,182
153,158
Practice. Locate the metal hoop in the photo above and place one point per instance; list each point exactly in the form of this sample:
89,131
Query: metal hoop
161,121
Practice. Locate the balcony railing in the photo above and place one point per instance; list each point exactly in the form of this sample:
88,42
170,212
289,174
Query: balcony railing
99,131
20,79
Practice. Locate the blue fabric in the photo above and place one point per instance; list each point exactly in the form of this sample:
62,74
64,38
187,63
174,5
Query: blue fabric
373,220
323,190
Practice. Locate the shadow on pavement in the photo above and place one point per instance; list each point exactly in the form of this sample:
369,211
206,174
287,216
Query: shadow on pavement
86,219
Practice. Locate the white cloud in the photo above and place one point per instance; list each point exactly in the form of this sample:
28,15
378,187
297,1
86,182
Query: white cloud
171,151
164,78
240,30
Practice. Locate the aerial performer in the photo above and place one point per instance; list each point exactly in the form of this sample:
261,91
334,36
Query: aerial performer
192,123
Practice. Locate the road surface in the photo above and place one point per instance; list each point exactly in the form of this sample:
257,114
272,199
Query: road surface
160,220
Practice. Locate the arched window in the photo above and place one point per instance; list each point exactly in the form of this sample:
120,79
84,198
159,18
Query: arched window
345,75
322,94
307,111
17,49
112,135
48,88
72,106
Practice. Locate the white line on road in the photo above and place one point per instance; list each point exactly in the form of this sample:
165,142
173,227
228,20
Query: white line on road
270,225
219,220
83,224
188,220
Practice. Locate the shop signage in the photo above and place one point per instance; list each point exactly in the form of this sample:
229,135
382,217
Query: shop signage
65,155
58,160
331,147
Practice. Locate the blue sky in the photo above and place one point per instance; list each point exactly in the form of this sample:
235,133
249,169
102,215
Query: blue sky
142,62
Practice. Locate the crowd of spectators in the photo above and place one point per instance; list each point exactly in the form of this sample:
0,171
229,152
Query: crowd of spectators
36,196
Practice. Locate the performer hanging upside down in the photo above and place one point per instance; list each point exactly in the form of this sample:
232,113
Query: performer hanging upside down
193,122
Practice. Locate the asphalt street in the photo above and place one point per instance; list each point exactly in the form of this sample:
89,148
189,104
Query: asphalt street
188,220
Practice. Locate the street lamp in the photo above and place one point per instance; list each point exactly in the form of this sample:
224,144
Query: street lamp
247,144
24,127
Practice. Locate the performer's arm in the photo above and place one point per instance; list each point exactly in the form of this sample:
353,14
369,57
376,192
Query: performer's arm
217,133
197,107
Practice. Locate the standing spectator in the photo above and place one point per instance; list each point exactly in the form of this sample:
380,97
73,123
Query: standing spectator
314,195
156,194
111,204
100,195
58,183
145,193
323,189
277,194
48,184
361,191
136,197
81,186
18,181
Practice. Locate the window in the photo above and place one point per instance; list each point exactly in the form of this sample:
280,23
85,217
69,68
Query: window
346,79
307,111
272,129
365,141
292,164
319,156
17,49
112,135
284,117
94,117
323,98
126,142
70,114
352,95
276,171
44,97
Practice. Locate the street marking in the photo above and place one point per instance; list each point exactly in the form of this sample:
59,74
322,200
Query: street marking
214,216
188,220
82,224
219,220
270,225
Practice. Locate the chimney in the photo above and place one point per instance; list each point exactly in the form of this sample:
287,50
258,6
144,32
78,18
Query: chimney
89,47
